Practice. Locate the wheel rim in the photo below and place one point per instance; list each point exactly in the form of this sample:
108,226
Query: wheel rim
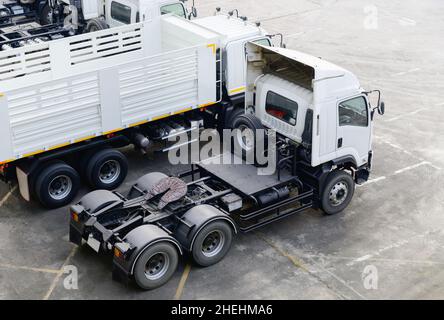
157,266
245,138
213,244
60,187
109,172
338,194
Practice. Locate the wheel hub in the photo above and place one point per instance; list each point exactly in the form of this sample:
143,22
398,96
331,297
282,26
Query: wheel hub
338,194
60,187
157,266
245,137
109,172
213,244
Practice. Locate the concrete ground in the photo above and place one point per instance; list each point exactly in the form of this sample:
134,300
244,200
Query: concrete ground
395,225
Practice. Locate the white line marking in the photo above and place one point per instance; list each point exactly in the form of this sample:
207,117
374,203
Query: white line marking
406,115
406,72
364,258
6,197
59,275
424,163
43,270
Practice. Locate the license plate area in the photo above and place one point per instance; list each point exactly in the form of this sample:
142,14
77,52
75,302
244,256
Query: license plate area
93,243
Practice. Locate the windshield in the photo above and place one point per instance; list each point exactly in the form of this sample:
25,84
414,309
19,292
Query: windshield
175,8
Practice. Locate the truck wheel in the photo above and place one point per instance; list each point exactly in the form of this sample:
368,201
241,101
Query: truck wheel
96,24
107,169
245,139
57,185
46,15
156,265
98,200
212,243
338,192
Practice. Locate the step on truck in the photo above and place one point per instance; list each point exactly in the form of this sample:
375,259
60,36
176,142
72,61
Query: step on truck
68,105
322,120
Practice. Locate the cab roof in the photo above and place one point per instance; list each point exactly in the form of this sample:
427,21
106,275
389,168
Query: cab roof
231,28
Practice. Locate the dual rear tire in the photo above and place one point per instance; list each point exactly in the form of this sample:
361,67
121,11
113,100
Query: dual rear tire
57,183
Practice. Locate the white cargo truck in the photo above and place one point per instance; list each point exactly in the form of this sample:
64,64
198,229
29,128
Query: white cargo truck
324,123
67,103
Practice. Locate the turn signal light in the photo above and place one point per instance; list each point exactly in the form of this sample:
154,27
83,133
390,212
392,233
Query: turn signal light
75,216
118,254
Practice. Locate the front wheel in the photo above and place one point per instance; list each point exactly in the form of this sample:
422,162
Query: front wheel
337,193
212,243
156,266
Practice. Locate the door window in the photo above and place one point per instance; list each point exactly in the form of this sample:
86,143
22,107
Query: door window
263,42
176,9
120,12
353,112
282,108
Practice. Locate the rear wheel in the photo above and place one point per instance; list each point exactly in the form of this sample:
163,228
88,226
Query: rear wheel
156,266
338,192
57,185
106,169
212,243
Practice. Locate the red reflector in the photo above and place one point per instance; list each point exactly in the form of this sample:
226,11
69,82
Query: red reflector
75,216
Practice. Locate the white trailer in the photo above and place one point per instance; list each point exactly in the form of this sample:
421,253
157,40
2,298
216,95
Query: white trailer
62,98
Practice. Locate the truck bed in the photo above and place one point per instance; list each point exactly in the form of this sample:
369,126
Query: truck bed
65,91
243,177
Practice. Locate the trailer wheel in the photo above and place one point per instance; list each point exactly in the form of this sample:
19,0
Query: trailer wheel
57,185
212,243
338,192
245,139
96,24
107,169
156,265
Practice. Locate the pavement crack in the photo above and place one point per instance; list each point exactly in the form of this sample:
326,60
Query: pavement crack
301,265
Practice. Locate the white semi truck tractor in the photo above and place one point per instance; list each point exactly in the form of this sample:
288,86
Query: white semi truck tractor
323,120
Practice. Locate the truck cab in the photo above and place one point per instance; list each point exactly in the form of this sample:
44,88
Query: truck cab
121,12
235,33
313,104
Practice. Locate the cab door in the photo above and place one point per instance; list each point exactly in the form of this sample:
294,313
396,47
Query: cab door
354,129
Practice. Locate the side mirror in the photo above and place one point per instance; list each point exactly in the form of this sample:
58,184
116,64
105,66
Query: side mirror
381,109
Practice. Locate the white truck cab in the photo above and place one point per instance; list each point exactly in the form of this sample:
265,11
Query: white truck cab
312,103
121,12
235,33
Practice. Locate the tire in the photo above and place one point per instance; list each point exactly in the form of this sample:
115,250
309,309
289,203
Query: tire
233,116
57,185
337,193
247,147
207,252
107,169
45,18
145,184
98,200
161,255
96,24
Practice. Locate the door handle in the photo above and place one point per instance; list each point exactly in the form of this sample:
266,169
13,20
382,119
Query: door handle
340,143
